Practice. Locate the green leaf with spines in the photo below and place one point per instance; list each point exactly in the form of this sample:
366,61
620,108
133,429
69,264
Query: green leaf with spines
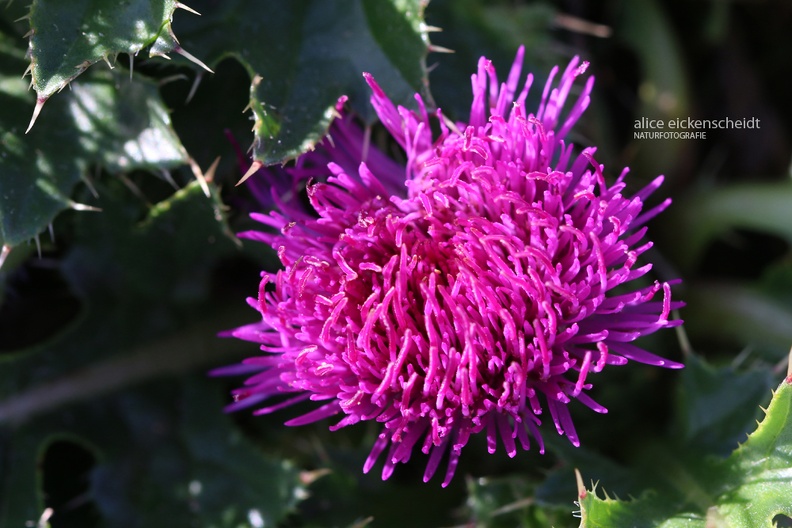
138,265
748,489
66,38
556,488
106,119
303,55
114,381
155,257
716,407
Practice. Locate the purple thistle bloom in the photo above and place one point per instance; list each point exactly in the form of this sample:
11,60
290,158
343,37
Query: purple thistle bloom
467,292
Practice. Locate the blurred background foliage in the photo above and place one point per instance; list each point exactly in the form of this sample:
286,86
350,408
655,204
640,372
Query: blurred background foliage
120,264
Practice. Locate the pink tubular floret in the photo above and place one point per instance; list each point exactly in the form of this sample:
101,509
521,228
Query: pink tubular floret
476,296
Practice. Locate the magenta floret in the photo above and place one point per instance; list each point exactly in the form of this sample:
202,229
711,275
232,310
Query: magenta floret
465,292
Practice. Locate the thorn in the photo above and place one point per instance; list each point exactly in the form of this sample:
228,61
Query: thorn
134,189
451,125
4,254
29,70
740,358
248,106
181,51
107,61
166,175
254,167
89,183
36,111
439,49
194,87
38,246
196,170
433,29
684,342
581,488
329,139
20,19
789,367
29,33
45,517
363,522
715,518
210,172
172,78
84,65
179,5
582,26
83,207
309,477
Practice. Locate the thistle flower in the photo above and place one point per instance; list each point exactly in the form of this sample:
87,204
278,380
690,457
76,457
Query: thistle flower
469,291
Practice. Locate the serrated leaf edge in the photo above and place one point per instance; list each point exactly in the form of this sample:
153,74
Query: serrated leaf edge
159,48
713,512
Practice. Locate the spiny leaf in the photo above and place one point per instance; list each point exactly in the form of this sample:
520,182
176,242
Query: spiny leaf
156,257
303,55
105,119
717,407
133,278
114,382
748,489
764,462
66,38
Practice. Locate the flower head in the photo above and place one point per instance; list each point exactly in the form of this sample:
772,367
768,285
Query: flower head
475,289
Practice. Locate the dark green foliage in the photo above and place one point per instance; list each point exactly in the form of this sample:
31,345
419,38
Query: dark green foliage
109,321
